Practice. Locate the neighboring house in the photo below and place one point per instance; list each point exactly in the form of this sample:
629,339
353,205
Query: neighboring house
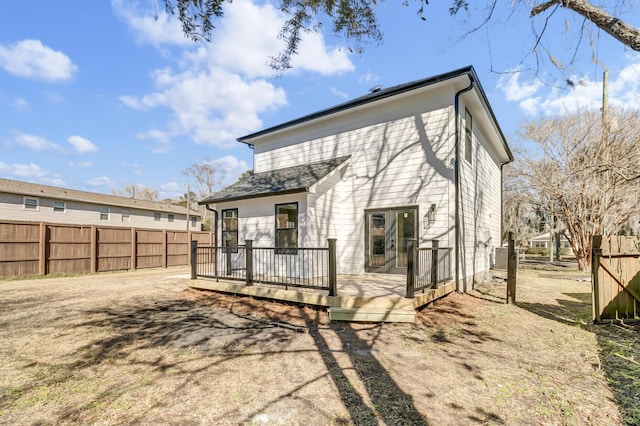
420,160
23,201
542,241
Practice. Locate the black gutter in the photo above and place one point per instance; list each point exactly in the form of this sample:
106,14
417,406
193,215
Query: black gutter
456,107
215,223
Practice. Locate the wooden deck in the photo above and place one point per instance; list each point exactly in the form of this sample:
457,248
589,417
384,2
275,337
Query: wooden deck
369,297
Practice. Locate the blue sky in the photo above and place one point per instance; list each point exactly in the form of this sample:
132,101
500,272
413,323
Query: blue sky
96,95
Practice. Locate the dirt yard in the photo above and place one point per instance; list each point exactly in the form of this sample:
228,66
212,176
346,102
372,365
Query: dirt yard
139,347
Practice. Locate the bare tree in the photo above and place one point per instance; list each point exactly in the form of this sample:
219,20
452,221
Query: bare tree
138,192
206,176
357,21
519,211
587,178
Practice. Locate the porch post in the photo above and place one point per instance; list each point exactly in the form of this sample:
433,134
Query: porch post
434,263
194,259
249,262
228,257
333,284
411,267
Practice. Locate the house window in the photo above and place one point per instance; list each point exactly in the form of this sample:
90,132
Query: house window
194,221
171,217
468,133
156,217
31,203
59,207
229,227
286,227
104,213
126,216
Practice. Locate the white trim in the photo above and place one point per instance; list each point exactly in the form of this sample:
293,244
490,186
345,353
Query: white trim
64,207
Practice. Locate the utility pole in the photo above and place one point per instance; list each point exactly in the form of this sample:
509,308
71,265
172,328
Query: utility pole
188,205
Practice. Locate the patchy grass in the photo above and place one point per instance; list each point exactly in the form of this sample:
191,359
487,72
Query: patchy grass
139,347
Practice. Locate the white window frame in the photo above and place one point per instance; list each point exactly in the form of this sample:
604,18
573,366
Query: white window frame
59,207
32,207
157,216
194,221
107,211
171,217
126,215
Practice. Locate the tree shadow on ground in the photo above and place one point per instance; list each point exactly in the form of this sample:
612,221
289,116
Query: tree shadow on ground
389,403
618,344
620,358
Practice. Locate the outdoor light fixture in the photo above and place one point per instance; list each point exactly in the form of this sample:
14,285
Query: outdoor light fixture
430,216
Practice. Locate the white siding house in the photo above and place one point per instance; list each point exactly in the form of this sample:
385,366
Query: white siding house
421,160
29,202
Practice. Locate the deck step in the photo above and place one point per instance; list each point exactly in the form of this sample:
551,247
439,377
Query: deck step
365,314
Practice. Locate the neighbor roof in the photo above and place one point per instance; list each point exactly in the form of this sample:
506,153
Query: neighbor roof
289,180
386,93
36,190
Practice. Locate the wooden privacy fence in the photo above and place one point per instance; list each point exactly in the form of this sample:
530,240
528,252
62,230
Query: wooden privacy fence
616,278
28,248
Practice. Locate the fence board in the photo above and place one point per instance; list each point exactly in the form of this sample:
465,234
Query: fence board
28,248
616,278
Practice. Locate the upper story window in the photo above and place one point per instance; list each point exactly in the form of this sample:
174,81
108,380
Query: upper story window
126,216
105,213
229,227
156,216
194,221
286,226
59,207
468,133
31,203
170,217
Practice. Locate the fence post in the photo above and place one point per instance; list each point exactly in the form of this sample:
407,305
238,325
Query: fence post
93,261
511,270
249,262
227,250
434,263
333,270
596,252
194,259
42,249
411,267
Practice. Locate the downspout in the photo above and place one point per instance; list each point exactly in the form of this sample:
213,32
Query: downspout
215,223
457,178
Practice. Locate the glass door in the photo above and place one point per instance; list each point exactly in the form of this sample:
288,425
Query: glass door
387,232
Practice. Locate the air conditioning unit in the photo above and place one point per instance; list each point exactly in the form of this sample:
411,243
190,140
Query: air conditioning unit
502,258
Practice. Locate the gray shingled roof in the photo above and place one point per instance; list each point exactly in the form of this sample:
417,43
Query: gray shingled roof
36,190
276,182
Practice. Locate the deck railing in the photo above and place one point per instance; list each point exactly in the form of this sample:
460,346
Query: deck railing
427,266
289,267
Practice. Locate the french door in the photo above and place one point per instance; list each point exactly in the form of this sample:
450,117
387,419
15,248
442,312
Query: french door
386,235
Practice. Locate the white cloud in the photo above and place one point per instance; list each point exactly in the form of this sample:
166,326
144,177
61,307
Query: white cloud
32,59
82,145
581,94
219,90
155,30
230,166
30,171
338,93
20,104
80,164
514,90
102,181
33,142
368,78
